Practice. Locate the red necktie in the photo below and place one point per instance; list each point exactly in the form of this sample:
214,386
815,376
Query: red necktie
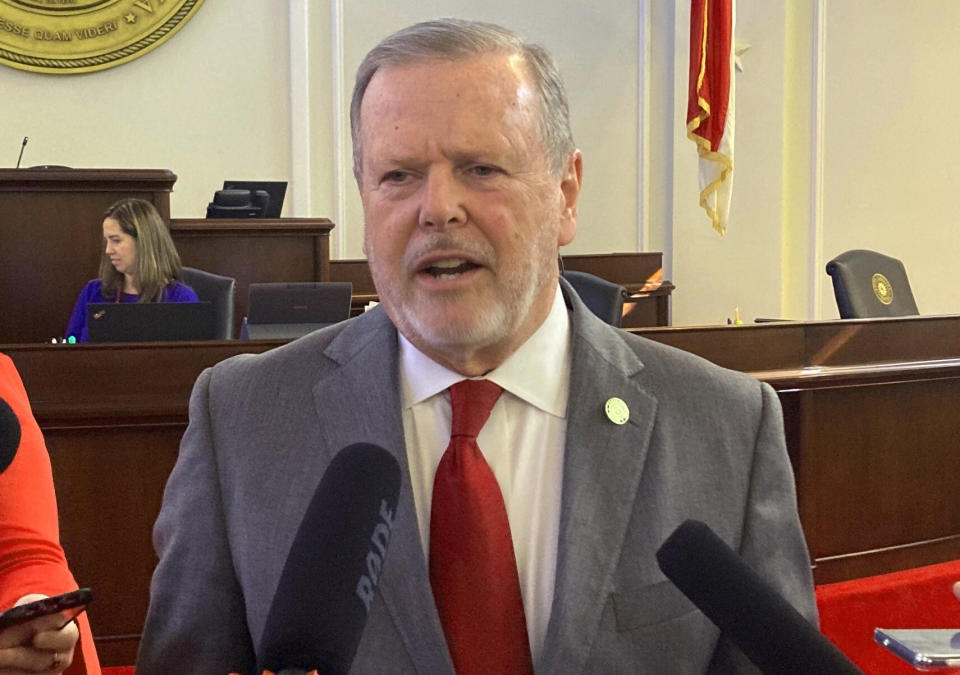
473,570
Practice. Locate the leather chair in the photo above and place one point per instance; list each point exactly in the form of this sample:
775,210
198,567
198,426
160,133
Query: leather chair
604,298
868,284
220,291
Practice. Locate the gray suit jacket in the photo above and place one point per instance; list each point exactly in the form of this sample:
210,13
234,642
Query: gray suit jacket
702,442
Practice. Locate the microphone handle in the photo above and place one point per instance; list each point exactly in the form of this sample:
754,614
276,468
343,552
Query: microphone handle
748,610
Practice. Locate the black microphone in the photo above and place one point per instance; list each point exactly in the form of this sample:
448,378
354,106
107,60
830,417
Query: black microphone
9,435
328,581
22,146
757,619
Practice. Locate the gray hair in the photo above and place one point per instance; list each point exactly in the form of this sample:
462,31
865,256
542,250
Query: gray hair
455,39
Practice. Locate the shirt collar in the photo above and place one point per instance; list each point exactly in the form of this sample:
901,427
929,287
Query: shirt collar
538,372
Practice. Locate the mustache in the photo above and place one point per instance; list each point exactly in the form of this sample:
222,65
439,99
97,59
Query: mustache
477,251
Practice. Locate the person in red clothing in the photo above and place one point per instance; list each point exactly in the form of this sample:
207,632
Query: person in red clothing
32,563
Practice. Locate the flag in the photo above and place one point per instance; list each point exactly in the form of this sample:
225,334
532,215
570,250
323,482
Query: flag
710,103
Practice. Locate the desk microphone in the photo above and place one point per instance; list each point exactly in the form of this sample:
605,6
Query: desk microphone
330,576
757,619
9,435
22,146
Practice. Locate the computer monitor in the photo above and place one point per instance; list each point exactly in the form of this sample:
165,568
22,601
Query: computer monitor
290,310
277,189
150,321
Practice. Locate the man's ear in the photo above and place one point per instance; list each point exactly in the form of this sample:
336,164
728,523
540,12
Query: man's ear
570,182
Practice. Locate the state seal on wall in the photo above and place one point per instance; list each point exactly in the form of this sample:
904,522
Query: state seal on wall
76,36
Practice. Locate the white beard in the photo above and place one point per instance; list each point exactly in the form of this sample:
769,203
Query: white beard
491,322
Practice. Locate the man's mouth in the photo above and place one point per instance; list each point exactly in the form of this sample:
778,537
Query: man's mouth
449,269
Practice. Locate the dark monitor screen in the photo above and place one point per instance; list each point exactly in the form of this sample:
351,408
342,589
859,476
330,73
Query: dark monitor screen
289,310
150,321
275,188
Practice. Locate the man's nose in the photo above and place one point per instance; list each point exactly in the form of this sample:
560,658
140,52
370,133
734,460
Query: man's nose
442,200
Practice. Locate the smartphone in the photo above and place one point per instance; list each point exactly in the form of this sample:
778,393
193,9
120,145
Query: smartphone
68,605
923,648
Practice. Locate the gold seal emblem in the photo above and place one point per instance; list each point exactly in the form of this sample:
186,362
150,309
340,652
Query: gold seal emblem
76,36
617,411
882,288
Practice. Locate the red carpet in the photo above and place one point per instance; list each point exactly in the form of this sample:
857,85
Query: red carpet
917,598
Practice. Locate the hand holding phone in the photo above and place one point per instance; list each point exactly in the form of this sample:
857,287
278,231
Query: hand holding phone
66,605
39,636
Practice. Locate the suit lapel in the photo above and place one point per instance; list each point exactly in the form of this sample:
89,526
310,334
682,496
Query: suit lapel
603,462
366,352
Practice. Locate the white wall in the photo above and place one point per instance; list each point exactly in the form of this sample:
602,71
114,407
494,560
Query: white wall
844,136
211,103
601,75
723,272
843,140
892,159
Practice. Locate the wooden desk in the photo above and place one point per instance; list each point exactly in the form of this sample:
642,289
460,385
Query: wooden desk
50,242
868,408
50,234
640,273
255,250
871,429
113,442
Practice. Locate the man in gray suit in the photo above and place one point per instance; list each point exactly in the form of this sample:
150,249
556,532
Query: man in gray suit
602,442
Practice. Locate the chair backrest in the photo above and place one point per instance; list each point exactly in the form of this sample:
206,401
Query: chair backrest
868,284
604,298
220,292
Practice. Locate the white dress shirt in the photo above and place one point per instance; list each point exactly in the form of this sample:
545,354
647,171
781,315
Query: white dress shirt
522,441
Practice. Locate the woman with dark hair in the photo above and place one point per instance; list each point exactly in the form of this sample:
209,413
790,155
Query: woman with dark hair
139,263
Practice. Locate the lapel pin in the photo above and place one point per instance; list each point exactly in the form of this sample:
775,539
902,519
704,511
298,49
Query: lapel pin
617,411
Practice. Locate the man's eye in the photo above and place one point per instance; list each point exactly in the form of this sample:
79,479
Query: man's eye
395,176
482,170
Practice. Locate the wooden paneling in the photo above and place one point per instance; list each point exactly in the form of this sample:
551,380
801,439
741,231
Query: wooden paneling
50,239
877,462
791,345
112,417
255,250
109,482
633,271
874,444
641,274
868,412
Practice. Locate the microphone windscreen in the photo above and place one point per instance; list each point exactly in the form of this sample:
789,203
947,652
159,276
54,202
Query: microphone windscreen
328,581
750,612
9,435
